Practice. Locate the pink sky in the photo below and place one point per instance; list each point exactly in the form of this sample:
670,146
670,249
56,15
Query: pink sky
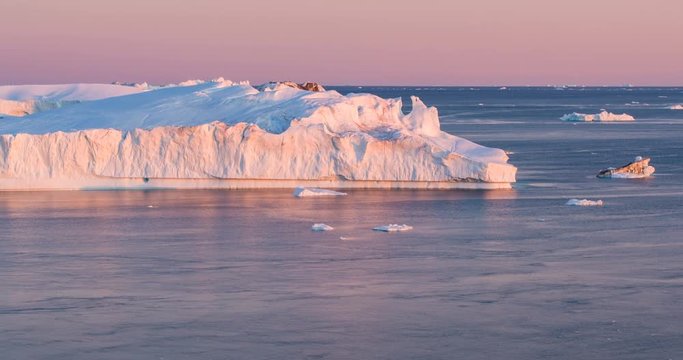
380,42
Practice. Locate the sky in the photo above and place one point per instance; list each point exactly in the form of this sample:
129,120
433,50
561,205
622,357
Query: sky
337,42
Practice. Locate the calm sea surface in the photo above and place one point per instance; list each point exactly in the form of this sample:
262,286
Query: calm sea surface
511,274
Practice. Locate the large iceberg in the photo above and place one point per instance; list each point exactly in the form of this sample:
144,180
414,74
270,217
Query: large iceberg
220,134
603,116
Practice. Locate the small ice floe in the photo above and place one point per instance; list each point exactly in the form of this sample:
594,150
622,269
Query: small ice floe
603,116
151,206
310,192
676,107
393,228
584,202
321,227
638,168
502,88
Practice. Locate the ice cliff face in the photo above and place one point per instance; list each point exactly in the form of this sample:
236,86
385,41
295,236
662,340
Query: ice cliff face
224,134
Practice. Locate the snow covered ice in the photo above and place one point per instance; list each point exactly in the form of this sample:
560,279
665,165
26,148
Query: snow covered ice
22,100
321,227
393,228
603,116
223,134
584,202
313,192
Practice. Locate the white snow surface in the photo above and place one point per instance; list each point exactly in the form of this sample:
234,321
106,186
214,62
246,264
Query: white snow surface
676,107
21,100
393,228
321,227
584,202
314,192
219,130
603,116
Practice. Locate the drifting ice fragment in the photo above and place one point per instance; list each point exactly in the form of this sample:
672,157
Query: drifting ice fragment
584,202
310,192
393,228
321,227
638,168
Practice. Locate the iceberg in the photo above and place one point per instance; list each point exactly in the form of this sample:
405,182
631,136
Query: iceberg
321,227
393,228
584,202
603,116
676,107
224,134
638,168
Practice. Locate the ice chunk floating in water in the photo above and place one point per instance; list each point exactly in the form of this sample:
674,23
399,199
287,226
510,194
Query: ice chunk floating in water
676,107
220,134
638,168
312,192
393,228
603,116
321,227
584,202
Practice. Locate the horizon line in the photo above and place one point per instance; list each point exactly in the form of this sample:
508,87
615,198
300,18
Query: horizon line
627,85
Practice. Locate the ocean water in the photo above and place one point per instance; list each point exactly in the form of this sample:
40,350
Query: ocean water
505,274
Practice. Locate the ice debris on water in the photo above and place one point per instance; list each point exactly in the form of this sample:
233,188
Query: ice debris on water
639,168
321,227
393,228
584,202
310,192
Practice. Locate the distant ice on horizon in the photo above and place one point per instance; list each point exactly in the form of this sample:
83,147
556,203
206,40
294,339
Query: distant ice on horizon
603,116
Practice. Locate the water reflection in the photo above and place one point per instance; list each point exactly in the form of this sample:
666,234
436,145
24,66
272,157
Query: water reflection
239,272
